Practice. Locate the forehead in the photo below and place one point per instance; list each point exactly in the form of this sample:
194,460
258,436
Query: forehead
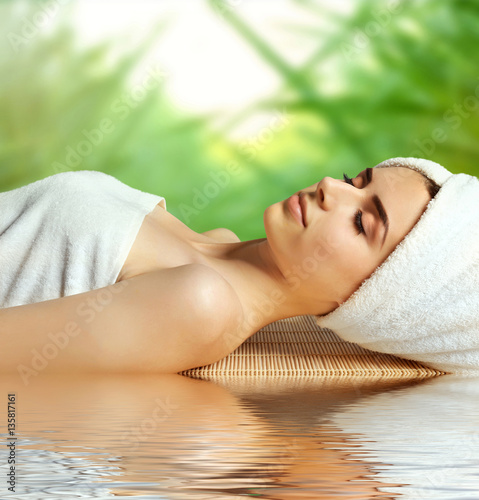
393,177
404,195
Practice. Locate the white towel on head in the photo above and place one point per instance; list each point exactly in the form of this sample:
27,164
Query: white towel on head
66,234
422,302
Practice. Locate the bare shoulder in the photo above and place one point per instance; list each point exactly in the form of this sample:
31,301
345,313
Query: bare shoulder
199,297
218,311
222,235
212,310
212,297
196,293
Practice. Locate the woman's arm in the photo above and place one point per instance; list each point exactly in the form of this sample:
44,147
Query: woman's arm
164,321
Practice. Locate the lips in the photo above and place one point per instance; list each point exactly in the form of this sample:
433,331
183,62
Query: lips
296,209
302,204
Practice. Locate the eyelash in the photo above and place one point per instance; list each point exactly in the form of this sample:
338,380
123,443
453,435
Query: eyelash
348,179
358,215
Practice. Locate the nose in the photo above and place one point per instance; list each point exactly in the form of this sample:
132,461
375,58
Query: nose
330,190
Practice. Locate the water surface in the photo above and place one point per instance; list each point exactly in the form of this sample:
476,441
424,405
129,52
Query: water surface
174,437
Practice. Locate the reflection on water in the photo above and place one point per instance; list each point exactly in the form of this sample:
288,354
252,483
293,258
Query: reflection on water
426,438
172,437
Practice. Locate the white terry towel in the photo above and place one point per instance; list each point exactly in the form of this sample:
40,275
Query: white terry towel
66,234
422,302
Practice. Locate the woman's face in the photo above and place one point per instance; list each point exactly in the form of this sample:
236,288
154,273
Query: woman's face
350,227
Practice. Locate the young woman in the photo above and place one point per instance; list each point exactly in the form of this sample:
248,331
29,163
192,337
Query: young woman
98,276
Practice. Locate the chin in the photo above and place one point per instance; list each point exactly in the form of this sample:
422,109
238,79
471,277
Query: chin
267,216
273,221
281,240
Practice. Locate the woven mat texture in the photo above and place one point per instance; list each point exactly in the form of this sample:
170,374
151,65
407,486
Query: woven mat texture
298,347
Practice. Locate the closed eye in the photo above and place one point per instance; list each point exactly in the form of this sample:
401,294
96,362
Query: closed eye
358,222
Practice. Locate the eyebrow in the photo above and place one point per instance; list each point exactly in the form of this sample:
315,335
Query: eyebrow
383,216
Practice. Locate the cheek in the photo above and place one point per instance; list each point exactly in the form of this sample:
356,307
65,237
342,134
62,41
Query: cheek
355,268
346,265
333,240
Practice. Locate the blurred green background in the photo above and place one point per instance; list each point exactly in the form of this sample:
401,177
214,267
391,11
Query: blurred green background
350,87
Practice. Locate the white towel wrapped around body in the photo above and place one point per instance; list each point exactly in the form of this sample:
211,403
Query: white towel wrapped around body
422,302
66,234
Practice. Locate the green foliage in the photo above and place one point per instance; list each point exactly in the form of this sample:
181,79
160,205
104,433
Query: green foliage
388,79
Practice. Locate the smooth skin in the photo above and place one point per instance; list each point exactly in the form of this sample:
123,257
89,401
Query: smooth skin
220,290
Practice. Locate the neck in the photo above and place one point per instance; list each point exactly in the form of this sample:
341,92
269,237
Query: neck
265,294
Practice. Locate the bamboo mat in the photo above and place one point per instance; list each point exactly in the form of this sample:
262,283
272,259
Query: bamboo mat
298,347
